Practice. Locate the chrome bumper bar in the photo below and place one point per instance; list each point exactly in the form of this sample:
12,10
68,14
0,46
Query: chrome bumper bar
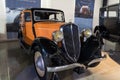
65,67
74,65
97,60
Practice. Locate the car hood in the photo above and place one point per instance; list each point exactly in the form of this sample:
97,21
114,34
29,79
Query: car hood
45,29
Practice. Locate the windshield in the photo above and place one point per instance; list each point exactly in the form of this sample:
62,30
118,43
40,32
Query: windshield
45,15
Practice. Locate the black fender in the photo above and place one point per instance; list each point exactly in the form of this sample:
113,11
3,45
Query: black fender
96,28
89,49
103,31
101,28
46,45
50,51
47,48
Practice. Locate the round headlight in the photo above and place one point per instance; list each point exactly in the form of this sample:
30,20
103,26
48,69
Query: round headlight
87,33
57,36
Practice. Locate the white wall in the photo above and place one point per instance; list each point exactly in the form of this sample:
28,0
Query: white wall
68,6
112,2
2,17
97,6
45,3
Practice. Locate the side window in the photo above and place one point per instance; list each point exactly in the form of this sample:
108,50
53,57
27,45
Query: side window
105,14
113,11
59,16
27,16
112,14
52,16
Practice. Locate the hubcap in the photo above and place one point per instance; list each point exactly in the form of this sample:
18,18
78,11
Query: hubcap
39,63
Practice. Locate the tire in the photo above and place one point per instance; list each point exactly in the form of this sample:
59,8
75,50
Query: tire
99,37
39,64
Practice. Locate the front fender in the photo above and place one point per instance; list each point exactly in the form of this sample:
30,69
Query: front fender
89,48
46,45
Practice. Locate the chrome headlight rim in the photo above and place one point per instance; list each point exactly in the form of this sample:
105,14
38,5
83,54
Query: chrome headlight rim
87,33
57,36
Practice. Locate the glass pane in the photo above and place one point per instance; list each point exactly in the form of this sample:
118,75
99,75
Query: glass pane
112,14
43,15
113,11
105,14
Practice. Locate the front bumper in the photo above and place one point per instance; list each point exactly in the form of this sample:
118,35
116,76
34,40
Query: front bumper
74,65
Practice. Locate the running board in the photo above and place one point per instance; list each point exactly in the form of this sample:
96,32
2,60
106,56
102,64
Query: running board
74,65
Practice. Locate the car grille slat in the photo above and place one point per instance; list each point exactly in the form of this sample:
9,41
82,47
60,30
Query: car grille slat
71,41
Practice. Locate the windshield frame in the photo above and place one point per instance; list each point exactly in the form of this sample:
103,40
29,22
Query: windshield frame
49,10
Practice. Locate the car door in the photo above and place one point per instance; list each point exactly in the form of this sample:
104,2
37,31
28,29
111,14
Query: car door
27,28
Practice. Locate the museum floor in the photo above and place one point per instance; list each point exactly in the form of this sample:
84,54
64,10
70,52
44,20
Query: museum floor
16,65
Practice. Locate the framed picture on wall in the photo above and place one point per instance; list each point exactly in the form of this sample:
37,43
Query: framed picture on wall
84,13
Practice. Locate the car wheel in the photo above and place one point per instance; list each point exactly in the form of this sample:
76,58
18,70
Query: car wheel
40,66
99,37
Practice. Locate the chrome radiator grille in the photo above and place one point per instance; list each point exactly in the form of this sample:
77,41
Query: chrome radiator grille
71,41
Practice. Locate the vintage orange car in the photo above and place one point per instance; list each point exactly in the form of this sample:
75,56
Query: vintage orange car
56,45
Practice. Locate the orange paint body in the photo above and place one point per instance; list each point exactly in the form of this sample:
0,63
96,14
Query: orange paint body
42,29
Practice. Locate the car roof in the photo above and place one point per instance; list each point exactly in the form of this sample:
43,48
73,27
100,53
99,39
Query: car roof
111,5
49,9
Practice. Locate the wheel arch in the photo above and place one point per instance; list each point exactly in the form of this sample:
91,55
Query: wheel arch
100,28
96,28
45,45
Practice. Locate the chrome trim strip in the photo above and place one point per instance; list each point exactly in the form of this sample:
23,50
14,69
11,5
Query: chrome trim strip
97,60
65,67
61,29
79,41
71,26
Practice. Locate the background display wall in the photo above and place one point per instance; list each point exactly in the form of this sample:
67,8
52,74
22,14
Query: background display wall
68,6
12,14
